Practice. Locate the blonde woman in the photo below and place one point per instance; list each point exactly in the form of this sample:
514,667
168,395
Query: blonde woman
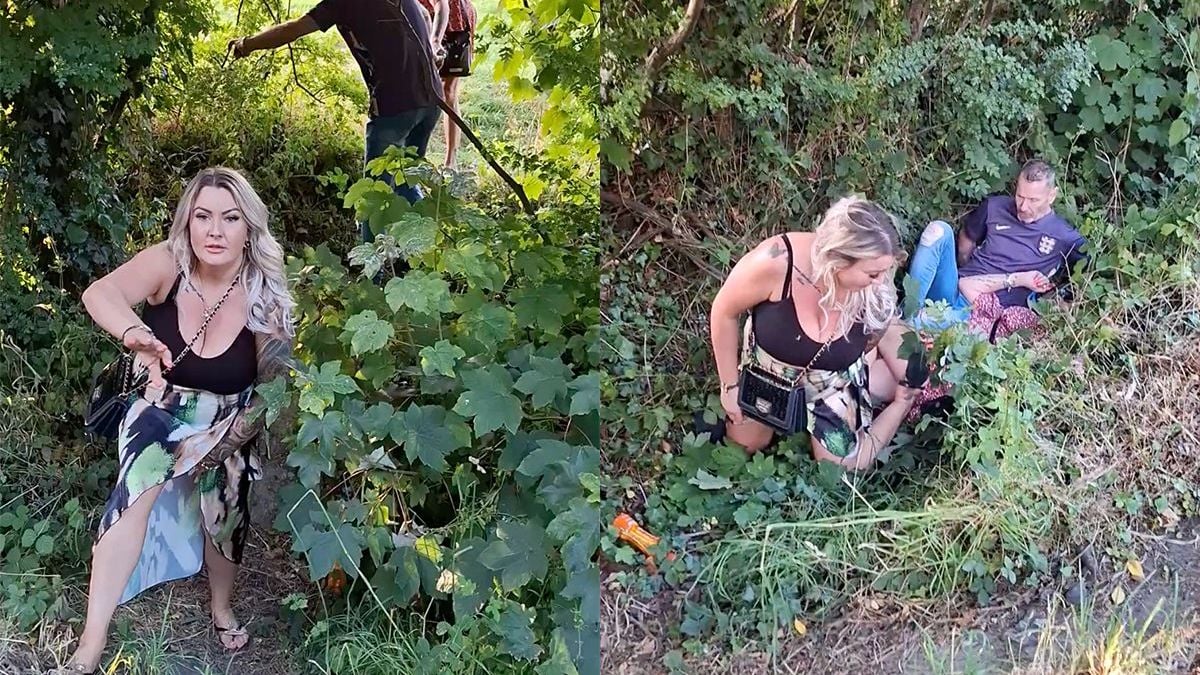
217,321
822,306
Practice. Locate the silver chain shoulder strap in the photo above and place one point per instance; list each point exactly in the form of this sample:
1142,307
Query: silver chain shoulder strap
186,350
204,326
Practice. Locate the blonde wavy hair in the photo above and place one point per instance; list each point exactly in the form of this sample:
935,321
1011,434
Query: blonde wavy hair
851,230
268,301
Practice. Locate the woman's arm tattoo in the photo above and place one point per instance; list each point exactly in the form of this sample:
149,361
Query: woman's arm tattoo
274,359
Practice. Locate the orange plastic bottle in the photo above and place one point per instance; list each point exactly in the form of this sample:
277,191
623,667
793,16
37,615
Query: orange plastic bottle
629,531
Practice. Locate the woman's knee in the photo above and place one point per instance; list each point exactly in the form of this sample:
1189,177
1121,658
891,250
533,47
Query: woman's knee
751,435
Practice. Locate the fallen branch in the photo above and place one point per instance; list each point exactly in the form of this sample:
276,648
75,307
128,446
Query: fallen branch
680,241
659,55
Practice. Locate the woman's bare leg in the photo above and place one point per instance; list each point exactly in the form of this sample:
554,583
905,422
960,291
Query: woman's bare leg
882,384
451,85
113,560
222,572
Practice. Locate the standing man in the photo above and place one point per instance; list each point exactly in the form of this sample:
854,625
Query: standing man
1008,246
391,42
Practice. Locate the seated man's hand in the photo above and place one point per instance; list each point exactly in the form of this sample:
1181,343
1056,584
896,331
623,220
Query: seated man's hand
1033,280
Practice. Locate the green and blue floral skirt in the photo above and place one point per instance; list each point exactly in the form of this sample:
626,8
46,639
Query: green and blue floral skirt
159,443
840,404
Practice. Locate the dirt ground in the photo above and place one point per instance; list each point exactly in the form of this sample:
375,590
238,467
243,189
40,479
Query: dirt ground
175,615
1035,631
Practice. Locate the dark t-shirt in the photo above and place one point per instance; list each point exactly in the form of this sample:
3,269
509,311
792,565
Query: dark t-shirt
1006,245
392,52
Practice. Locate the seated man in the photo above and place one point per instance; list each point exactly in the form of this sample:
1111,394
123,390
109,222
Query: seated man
1008,251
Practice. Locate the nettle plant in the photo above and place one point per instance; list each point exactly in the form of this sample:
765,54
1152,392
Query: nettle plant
446,429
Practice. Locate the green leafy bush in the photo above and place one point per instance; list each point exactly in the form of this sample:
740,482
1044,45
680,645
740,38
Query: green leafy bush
446,440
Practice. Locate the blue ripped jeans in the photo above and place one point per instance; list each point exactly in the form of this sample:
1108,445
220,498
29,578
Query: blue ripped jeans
411,129
934,268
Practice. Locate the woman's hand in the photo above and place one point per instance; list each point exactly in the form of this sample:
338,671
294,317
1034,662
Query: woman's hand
906,395
729,402
149,353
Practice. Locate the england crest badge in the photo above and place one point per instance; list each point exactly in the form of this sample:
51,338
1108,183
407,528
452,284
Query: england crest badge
1046,245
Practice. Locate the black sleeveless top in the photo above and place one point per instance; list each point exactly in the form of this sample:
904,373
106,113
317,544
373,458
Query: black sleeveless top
228,373
778,332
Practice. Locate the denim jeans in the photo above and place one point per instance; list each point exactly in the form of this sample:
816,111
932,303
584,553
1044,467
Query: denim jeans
412,129
934,268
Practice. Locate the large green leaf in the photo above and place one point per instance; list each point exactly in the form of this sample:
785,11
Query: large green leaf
1179,131
545,382
559,470
518,553
368,257
368,332
489,400
578,528
310,463
414,234
407,574
584,586
1109,53
542,306
469,597
440,357
321,386
342,545
1150,89
515,630
582,637
376,421
473,260
420,291
326,430
299,506
559,660
518,447
429,433
587,394
487,323
548,453
276,396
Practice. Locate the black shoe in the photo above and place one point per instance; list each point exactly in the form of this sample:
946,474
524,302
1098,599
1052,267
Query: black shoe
716,432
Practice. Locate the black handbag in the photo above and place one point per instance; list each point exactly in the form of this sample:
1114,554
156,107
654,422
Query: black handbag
774,401
114,386
459,52
109,401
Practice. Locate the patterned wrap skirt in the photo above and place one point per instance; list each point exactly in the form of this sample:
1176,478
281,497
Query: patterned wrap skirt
839,402
159,443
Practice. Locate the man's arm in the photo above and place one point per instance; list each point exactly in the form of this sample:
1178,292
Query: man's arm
973,287
972,233
273,37
965,248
